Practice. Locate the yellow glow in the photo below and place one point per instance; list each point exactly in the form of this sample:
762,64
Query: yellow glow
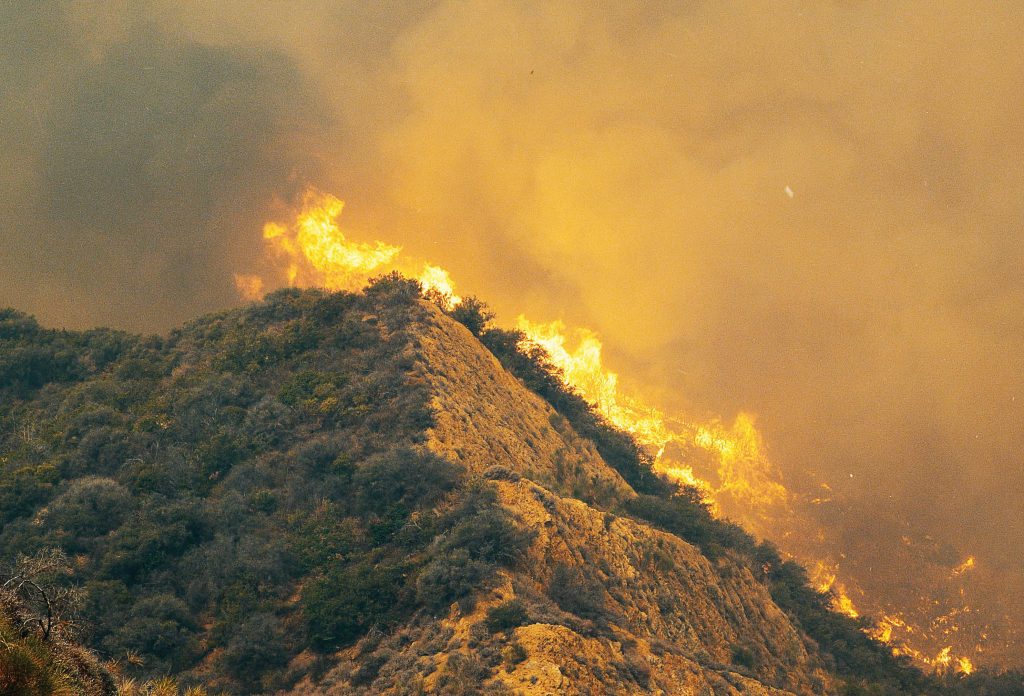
742,470
965,566
317,251
825,579
843,604
436,280
313,251
250,287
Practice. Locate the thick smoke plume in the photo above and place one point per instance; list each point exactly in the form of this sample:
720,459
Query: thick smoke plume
809,211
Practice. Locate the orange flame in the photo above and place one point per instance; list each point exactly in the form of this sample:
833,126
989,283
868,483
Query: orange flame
826,580
317,251
965,566
742,472
435,280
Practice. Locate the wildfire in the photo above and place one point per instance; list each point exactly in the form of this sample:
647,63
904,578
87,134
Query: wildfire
312,250
727,463
315,252
965,566
826,580
886,627
435,279
741,471
942,662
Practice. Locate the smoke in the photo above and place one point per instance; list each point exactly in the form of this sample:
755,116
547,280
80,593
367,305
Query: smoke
150,158
809,212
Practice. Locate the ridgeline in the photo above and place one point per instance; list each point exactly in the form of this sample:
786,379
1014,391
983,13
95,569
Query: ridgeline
360,493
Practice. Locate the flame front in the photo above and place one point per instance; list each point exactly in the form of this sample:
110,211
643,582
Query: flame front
825,578
727,464
313,251
317,251
742,479
435,280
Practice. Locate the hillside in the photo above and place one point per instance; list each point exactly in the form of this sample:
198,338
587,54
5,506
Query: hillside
359,493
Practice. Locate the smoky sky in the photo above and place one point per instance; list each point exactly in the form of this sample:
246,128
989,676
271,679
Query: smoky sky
150,158
808,211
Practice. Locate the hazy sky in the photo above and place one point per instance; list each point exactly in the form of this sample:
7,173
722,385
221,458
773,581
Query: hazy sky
810,211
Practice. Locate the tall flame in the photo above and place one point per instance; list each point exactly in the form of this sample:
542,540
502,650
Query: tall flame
742,478
728,464
317,251
825,578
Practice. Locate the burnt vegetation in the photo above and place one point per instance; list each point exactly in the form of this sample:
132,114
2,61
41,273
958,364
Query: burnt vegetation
255,485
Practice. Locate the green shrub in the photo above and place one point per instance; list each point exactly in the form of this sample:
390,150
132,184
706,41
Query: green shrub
510,614
255,647
370,668
512,654
343,604
473,314
89,507
499,472
161,629
450,576
23,488
743,656
463,675
491,535
413,478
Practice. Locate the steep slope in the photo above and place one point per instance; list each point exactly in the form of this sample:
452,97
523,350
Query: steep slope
483,417
655,588
647,613
349,493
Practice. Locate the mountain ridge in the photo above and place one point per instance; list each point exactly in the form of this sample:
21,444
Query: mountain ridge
355,493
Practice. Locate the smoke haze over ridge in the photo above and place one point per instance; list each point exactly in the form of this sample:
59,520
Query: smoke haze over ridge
811,212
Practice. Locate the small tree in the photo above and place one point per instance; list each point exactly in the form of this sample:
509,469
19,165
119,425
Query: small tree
510,614
49,608
474,314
